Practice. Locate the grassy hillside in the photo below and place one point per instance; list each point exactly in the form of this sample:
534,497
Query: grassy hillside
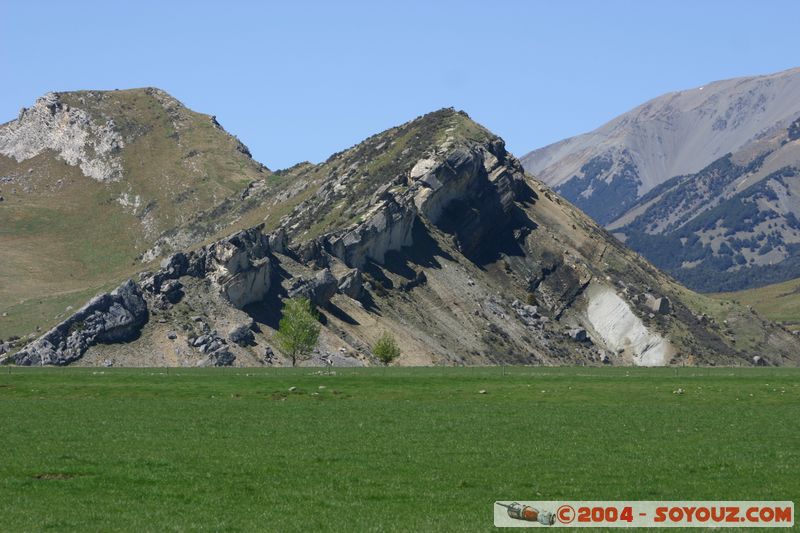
380,450
179,161
779,302
65,236
59,244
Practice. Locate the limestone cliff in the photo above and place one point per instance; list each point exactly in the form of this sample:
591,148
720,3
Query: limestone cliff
70,132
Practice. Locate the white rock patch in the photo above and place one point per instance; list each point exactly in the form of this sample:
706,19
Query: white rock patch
130,200
612,318
70,132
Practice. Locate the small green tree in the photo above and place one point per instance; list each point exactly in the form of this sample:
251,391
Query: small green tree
298,330
386,349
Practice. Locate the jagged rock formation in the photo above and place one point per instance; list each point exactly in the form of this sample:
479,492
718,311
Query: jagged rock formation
431,231
70,132
471,191
237,266
352,284
107,318
387,228
90,180
319,289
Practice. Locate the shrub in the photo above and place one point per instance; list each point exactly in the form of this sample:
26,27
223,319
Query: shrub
386,349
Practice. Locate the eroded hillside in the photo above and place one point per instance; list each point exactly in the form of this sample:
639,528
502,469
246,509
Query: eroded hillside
431,231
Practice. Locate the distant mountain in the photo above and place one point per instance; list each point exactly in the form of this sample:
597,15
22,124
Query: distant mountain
734,224
431,231
605,171
701,182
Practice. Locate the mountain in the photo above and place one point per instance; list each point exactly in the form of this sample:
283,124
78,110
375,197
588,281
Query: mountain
89,180
730,226
698,181
431,231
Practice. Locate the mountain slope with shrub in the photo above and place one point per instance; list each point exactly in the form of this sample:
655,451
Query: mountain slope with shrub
431,232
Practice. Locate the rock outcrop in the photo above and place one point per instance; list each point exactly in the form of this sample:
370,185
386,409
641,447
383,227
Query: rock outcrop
352,284
215,348
107,318
71,133
319,289
470,192
238,266
242,334
660,305
387,227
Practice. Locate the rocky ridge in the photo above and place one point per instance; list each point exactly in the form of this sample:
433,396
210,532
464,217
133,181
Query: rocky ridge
106,318
90,180
449,245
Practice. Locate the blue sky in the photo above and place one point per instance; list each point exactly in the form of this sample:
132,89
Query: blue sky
299,80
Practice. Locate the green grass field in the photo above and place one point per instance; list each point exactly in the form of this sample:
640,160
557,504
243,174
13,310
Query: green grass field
380,450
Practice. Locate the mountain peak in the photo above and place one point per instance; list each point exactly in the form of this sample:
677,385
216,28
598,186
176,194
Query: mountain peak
91,179
698,181
674,134
427,132
452,124
430,229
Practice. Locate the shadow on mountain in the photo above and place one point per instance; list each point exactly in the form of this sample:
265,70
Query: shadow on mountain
340,314
268,310
485,233
423,253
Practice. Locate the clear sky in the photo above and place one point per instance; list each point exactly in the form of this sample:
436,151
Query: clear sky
299,80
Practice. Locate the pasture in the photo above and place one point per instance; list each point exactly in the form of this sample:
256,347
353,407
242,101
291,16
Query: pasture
370,449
